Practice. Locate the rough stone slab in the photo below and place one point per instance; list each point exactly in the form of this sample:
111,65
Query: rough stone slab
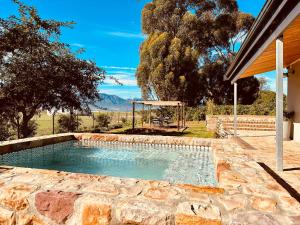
96,214
182,219
29,219
7,217
254,218
57,206
263,204
15,196
139,212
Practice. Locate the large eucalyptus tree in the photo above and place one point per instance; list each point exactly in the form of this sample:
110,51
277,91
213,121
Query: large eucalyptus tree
189,46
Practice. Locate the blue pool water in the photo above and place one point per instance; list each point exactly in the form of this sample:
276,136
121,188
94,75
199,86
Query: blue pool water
177,164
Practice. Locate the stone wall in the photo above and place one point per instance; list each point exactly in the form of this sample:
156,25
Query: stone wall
27,143
223,124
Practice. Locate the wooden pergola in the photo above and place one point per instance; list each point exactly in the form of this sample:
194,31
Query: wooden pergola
178,104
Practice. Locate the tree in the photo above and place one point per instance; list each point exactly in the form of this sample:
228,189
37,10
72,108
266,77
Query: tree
68,123
37,71
103,120
189,47
263,84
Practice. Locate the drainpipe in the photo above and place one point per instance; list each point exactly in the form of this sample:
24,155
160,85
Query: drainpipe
279,104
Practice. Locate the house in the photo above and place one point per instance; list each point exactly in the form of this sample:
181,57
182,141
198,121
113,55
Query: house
273,43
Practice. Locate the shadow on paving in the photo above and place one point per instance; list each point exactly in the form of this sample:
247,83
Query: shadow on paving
295,194
147,131
292,169
244,144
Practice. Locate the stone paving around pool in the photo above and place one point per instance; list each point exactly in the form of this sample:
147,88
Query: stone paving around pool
246,193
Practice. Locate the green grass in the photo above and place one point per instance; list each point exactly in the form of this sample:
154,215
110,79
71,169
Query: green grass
195,129
198,129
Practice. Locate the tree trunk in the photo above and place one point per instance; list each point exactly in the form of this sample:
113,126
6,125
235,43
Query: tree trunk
25,129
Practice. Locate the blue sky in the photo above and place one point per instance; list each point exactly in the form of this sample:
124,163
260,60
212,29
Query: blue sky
110,31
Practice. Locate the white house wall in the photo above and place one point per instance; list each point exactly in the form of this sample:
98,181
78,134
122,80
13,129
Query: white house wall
293,97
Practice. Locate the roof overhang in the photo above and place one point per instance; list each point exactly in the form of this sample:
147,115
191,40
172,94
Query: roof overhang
258,52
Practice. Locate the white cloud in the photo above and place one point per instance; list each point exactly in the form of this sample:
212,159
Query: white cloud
119,67
77,45
124,79
125,82
126,35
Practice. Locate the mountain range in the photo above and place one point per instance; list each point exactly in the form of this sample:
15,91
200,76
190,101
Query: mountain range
113,103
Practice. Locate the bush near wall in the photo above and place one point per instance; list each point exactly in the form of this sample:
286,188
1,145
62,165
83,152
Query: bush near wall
199,113
264,105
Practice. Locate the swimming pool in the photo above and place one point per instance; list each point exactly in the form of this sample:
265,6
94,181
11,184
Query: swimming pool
173,163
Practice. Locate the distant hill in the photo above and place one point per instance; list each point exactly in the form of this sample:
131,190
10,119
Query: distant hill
113,103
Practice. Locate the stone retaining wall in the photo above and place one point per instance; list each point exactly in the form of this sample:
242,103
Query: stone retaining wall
222,124
246,194
27,143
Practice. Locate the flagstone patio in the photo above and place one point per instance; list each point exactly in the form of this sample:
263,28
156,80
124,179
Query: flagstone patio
262,149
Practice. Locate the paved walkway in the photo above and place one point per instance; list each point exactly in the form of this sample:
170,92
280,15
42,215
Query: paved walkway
262,149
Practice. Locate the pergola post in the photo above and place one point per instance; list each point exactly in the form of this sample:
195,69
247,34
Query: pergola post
53,122
178,117
182,118
93,117
133,116
184,115
150,116
235,108
143,110
279,103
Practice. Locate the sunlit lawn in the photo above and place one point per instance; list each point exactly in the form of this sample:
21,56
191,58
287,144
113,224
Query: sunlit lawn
194,129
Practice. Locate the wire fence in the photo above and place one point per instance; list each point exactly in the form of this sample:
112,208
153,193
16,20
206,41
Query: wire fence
48,124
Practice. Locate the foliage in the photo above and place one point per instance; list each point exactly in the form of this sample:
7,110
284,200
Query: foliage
264,105
103,120
123,120
37,71
4,129
68,123
188,49
210,107
288,115
195,113
166,112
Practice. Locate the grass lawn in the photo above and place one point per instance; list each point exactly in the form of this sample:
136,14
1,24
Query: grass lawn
194,129
198,129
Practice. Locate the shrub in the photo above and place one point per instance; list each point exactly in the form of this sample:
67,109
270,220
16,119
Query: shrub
68,123
211,108
103,120
123,120
116,126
